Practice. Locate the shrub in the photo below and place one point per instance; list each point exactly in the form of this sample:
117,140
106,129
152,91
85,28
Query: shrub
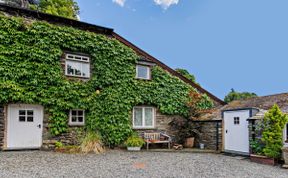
58,144
92,143
134,141
272,136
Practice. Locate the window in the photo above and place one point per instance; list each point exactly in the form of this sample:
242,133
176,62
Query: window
236,120
286,134
76,117
26,115
77,65
143,117
143,72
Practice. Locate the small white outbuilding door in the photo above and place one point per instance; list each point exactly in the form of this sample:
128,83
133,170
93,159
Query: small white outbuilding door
24,126
236,131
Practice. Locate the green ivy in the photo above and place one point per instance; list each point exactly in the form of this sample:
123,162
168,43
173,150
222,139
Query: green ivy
30,72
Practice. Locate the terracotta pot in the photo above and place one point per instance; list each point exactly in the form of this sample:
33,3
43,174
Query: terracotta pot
189,142
263,160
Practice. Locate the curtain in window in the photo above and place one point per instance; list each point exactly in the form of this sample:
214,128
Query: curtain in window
137,116
148,117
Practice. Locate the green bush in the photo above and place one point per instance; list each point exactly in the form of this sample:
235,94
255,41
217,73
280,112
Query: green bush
134,141
272,135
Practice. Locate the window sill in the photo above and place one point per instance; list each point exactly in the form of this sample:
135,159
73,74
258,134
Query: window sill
76,124
144,128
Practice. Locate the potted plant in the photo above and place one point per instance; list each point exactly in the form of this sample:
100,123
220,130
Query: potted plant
285,156
266,149
134,143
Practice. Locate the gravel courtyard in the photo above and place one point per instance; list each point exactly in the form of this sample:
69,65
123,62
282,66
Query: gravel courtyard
127,164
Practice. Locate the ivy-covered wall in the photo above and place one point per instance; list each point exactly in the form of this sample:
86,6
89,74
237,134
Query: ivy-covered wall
30,72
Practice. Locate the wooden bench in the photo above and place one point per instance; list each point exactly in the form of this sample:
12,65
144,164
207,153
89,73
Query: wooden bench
156,137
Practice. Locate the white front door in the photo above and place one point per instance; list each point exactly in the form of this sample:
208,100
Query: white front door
236,131
24,126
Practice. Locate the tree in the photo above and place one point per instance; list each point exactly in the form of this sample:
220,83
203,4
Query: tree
186,74
64,8
233,95
273,125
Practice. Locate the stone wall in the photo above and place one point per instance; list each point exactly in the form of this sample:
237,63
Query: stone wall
210,134
2,125
72,137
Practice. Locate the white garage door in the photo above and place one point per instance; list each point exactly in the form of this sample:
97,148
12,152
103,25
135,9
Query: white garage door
24,128
236,131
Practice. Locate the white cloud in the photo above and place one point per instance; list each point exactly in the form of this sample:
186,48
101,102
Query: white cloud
119,2
165,4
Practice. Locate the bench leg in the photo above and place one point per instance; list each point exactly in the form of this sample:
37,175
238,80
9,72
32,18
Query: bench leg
169,145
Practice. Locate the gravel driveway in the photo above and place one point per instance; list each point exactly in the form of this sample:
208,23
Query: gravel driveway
127,164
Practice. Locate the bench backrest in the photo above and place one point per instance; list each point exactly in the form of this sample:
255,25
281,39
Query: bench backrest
152,136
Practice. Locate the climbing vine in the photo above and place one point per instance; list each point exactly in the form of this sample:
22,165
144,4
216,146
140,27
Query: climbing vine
30,72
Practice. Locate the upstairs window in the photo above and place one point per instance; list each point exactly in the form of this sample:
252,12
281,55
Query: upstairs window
77,65
77,117
143,72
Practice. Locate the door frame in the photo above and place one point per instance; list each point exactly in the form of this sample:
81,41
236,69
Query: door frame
7,122
252,111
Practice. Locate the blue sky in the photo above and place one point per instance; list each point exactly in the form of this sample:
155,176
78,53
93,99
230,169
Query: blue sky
240,44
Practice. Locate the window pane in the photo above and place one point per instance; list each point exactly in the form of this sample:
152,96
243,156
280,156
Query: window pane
148,117
74,113
80,119
29,119
74,119
22,112
137,117
85,70
30,112
21,118
74,68
142,72
80,113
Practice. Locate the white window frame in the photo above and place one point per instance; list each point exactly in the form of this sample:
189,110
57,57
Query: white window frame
76,123
143,116
79,59
285,136
148,77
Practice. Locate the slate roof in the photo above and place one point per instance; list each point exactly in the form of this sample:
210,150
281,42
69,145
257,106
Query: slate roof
263,103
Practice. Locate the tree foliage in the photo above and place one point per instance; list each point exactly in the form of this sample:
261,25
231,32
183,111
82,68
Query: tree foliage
30,72
64,8
186,74
272,135
234,95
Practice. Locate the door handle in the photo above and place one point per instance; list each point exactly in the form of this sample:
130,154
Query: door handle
226,131
39,126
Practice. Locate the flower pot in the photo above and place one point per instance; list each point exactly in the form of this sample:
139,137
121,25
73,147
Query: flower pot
263,160
189,142
202,146
133,148
285,156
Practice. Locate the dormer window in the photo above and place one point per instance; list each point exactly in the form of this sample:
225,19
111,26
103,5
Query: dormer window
77,65
143,72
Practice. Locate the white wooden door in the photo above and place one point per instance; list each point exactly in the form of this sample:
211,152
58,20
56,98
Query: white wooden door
236,131
24,127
